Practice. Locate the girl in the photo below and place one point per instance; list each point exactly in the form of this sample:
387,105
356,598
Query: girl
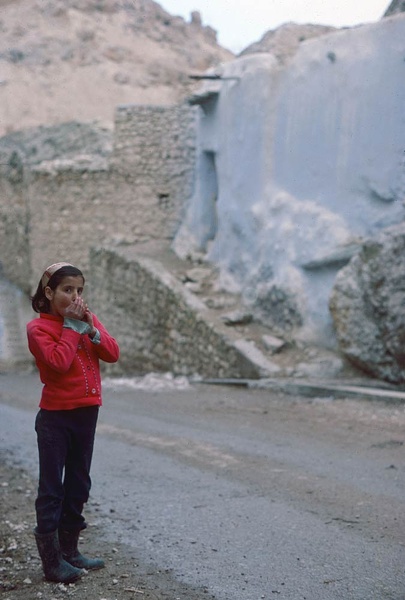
67,341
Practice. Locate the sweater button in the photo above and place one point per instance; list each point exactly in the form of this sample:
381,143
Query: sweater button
93,391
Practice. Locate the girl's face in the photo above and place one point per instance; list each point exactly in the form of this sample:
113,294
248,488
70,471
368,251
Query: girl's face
68,290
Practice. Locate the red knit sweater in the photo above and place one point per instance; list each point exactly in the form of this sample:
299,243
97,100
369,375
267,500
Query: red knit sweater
68,362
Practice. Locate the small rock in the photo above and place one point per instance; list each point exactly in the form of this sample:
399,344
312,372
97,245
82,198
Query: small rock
198,274
237,318
273,344
194,287
121,78
220,302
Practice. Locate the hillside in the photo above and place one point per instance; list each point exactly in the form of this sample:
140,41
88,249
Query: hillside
63,60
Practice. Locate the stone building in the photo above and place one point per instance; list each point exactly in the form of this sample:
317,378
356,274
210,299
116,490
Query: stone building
63,206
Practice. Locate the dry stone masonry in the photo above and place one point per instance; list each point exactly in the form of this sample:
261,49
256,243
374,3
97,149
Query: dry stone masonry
160,325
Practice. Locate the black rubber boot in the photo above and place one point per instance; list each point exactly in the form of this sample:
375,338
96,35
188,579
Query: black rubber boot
55,568
68,543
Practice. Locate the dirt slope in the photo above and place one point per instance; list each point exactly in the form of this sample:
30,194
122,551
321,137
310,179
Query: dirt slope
63,60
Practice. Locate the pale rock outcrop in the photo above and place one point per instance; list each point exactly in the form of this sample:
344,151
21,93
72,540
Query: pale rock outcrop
368,306
283,42
396,6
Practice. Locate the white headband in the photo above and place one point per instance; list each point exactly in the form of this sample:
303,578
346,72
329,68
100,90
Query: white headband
51,270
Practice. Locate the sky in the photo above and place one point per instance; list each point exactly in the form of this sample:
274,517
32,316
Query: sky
241,22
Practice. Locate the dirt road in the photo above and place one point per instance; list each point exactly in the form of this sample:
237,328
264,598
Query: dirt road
221,492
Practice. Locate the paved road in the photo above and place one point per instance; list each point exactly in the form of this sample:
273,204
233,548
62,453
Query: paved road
245,493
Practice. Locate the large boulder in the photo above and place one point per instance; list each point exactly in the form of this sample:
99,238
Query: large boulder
368,306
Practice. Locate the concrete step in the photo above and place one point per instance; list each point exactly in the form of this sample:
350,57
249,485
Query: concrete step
319,389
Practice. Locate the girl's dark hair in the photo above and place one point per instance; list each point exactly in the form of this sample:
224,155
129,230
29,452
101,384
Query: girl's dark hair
39,301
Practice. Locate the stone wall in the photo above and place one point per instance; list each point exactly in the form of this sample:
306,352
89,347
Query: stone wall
69,211
156,146
14,226
59,208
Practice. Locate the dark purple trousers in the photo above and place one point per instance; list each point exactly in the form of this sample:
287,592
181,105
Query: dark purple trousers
65,445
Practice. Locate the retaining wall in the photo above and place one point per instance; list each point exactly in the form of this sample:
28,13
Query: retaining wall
159,325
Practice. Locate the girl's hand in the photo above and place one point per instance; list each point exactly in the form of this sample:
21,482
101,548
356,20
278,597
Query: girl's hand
76,310
88,318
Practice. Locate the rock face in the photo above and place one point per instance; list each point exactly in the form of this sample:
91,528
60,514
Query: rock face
368,306
76,60
396,6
